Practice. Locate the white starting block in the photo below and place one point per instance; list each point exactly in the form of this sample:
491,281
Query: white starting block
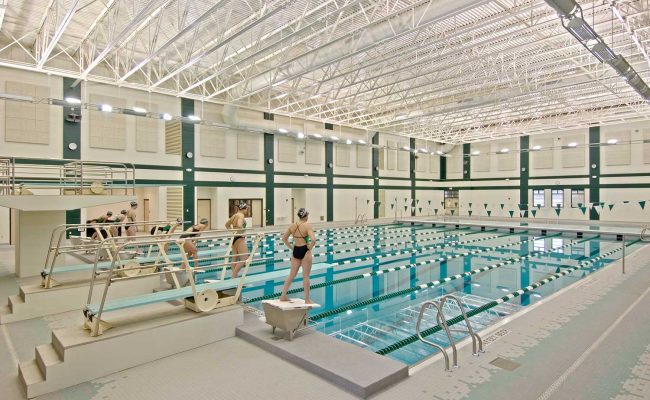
287,315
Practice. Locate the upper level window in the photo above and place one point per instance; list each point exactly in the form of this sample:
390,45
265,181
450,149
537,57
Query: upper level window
538,197
557,198
577,197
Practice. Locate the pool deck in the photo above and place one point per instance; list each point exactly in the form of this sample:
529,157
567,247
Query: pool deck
588,341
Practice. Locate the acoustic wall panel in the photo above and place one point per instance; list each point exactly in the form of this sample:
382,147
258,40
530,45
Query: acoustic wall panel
342,155
314,152
287,149
481,163
248,146
391,155
213,141
620,153
646,146
403,158
26,122
575,156
107,129
507,161
542,159
147,130
364,158
434,164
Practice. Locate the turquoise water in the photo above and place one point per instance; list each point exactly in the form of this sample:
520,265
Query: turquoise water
348,311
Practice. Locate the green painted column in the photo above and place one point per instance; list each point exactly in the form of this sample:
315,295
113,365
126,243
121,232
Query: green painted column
269,171
443,168
467,161
594,172
187,145
329,173
524,173
71,134
414,204
375,176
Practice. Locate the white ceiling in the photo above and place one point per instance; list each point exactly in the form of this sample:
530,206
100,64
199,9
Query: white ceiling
450,71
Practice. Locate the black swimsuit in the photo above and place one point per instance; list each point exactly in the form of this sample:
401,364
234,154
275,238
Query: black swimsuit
190,234
299,252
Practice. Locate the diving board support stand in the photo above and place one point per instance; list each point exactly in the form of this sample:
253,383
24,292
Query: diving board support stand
290,316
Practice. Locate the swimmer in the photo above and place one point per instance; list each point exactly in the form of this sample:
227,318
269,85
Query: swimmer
106,218
118,220
169,229
239,248
303,241
192,232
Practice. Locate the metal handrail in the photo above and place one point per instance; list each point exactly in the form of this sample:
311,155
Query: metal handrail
95,319
72,177
423,308
441,319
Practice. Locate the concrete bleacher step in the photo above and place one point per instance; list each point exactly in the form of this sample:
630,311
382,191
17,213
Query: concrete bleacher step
47,357
30,375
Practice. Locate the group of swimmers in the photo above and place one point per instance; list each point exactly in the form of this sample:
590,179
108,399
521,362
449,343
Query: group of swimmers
126,218
302,233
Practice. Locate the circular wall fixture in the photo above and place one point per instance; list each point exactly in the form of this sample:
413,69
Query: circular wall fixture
330,165
593,165
523,170
189,154
233,179
72,146
270,161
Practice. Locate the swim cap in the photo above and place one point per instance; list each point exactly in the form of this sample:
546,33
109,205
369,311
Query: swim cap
123,212
243,205
302,213
204,221
179,220
109,213
134,203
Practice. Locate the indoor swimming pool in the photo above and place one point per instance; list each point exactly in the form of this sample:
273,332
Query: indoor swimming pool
370,281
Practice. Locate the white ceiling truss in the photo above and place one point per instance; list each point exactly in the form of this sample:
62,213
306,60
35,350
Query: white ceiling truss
450,71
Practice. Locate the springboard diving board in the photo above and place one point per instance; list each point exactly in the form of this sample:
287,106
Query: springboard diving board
176,294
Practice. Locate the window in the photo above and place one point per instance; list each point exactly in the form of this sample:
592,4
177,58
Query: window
268,116
329,126
577,197
556,244
557,198
538,197
539,245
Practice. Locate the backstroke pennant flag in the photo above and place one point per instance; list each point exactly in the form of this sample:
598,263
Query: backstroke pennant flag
392,206
511,212
420,210
533,212
583,209
610,205
502,205
485,205
489,212
470,205
642,204
469,212
435,210
558,210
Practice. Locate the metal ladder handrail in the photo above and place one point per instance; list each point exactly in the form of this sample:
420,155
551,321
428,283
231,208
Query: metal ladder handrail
442,322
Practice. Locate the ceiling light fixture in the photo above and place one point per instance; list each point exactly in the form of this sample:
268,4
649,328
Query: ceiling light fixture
72,100
505,150
193,118
301,135
361,141
348,141
334,138
167,117
139,110
572,144
476,153
536,147
106,108
282,130
612,141
317,136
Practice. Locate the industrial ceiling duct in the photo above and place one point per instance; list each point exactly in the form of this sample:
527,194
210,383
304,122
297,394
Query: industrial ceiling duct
564,8
581,30
603,53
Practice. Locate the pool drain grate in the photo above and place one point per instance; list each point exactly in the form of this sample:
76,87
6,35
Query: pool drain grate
504,363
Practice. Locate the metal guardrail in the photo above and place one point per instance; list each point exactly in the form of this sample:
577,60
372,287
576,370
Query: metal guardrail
19,176
441,319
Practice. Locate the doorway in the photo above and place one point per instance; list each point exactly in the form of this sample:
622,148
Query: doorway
254,211
451,202
204,210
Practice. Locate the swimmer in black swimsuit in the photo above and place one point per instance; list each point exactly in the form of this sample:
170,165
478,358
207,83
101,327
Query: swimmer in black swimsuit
303,241
239,248
192,232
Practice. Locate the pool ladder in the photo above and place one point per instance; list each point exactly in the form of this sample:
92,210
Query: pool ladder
477,343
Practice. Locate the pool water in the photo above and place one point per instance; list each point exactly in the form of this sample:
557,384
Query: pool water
378,277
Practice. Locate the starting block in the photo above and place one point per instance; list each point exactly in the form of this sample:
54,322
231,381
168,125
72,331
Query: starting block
287,315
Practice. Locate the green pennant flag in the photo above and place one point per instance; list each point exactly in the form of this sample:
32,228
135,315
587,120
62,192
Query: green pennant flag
485,205
626,201
558,270
533,212
469,212
405,199
502,205
378,203
452,211
435,210
420,210
602,204
489,212
367,202
442,204
470,205
583,209
511,213
579,205
392,206
539,206
642,204
406,208
417,201
429,202
558,210
610,205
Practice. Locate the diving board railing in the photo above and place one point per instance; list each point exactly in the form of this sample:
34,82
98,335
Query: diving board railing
441,319
197,297
104,246
74,177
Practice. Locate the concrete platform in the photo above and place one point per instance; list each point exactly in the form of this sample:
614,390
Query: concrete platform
352,368
35,301
139,336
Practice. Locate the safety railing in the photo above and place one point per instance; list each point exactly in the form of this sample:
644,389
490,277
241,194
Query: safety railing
441,319
21,176
197,297
361,219
103,245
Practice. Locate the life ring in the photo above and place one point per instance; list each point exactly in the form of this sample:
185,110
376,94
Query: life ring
96,188
130,269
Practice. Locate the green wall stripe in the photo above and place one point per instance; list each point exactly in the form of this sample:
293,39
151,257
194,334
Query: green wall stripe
375,175
270,180
467,161
412,176
594,173
329,173
524,171
187,145
443,169
71,134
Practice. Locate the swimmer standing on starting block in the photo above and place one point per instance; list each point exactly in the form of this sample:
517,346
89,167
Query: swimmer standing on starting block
192,232
238,223
303,241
